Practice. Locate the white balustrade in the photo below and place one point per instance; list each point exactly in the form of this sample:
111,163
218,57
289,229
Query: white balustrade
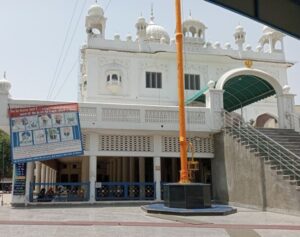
137,117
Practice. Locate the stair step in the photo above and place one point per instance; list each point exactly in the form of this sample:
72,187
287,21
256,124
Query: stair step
295,182
287,177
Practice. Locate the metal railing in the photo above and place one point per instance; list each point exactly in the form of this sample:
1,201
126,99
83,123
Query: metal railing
125,191
286,161
59,192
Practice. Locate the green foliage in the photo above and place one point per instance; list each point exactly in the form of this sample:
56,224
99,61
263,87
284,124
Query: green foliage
4,139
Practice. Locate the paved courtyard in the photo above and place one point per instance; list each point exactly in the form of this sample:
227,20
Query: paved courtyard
132,221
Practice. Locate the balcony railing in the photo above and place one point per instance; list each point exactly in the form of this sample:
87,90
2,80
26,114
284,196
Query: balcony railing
142,117
137,117
125,191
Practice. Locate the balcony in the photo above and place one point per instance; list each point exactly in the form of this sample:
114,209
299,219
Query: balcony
143,117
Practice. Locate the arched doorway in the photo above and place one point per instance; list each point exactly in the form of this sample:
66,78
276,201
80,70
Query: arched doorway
266,120
245,86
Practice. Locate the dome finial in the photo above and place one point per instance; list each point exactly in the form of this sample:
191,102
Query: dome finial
152,15
4,75
190,13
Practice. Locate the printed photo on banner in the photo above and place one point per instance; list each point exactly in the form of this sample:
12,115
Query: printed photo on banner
25,138
45,120
39,136
17,125
71,119
32,123
53,135
66,133
58,119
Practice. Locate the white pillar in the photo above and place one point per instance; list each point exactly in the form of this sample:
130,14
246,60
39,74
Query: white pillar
214,101
38,175
93,165
5,86
29,179
47,178
52,178
93,175
286,104
43,175
157,177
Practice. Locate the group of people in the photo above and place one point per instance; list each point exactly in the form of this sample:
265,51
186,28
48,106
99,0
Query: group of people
44,196
49,195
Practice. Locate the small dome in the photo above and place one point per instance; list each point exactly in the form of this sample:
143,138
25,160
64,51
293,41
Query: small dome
95,10
239,28
141,19
5,85
267,30
193,22
156,33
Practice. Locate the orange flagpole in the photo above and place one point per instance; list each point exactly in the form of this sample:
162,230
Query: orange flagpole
182,132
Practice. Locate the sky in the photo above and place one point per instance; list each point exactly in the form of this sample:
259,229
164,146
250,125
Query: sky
40,39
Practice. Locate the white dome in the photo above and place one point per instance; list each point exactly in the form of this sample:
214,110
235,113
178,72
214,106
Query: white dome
267,30
141,20
193,22
5,85
95,10
239,28
156,33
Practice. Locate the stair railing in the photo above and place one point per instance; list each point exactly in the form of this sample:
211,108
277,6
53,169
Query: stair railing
263,145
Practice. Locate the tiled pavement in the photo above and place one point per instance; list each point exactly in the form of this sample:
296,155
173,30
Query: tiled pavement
132,221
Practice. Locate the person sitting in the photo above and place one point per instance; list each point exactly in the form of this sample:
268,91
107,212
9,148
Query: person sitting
50,194
41,195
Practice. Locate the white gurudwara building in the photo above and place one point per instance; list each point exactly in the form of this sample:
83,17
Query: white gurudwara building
129,119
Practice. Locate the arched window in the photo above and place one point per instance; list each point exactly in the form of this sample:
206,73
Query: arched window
114,77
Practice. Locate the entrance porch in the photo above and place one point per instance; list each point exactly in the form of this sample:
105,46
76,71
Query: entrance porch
92,179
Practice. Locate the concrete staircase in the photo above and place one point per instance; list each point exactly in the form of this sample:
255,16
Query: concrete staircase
279,148
288,138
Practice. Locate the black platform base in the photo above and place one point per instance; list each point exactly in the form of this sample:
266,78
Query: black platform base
187,196
214,210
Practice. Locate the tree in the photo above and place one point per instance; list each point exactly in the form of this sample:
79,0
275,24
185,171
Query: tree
8,167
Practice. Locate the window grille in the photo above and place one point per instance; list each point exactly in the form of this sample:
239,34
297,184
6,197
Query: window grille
201,144
125,143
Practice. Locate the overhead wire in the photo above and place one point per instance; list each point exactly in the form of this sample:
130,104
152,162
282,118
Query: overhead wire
73,65
67,77
67,51
62,49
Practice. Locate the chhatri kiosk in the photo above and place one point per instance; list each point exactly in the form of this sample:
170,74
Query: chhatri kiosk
128,110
